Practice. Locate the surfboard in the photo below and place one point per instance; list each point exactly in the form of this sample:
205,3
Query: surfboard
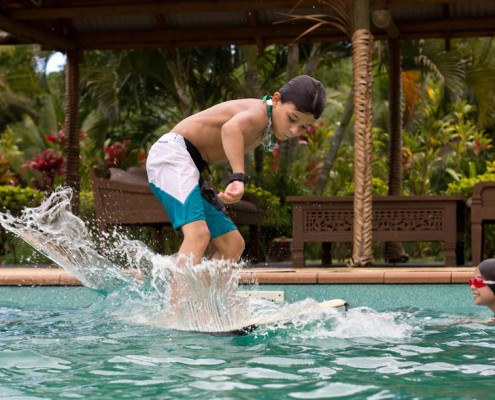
278,316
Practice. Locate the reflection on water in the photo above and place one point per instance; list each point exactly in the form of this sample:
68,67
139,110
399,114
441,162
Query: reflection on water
102,351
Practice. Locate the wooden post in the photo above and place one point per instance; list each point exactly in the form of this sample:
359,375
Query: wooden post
362,51
71,127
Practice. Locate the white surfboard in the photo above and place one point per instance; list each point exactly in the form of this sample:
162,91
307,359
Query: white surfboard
275,317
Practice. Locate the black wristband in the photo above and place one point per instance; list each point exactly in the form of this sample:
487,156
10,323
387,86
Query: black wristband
239,176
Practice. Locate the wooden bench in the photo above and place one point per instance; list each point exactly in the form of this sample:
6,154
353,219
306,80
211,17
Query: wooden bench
482,213
328,219
125,198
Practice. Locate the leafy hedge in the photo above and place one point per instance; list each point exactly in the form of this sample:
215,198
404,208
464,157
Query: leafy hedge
15,198
464,186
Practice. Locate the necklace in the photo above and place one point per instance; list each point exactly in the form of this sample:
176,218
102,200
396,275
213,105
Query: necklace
266,137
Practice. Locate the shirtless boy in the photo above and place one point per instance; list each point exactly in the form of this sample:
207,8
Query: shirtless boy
224,133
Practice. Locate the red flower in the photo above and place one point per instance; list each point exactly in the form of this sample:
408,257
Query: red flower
49,164
121,155
60,137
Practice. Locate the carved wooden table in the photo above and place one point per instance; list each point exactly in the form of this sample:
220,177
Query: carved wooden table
328,219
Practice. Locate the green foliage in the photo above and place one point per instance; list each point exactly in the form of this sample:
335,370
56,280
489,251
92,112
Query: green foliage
464,186
87,207
379,187
272,212
16,198
441,142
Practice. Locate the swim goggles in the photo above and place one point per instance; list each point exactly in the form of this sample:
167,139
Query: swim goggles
480,282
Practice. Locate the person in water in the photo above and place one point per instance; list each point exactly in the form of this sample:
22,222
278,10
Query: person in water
178,163
483,284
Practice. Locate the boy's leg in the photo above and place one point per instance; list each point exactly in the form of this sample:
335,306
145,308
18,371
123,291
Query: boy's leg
196,239
228,246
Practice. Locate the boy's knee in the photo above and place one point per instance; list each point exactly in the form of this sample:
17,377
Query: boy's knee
236,246
200,234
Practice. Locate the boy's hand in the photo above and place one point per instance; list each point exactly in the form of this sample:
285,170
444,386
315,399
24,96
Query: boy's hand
233,193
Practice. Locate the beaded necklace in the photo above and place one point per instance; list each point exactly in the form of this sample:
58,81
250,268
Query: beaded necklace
266,137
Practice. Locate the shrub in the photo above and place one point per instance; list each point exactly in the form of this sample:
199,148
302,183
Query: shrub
464,186
15,198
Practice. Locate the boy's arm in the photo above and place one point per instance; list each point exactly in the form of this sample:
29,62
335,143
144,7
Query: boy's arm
233,145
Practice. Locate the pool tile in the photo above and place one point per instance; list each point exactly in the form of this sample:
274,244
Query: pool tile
285,278
66,279
245,278
417,277
462,276
351,277
29,277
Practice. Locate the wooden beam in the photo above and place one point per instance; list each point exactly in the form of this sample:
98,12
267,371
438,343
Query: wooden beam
382,18
9,39
225,35
120,9
446,25
37,35
389,2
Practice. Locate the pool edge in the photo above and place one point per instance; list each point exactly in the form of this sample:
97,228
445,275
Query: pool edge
440,275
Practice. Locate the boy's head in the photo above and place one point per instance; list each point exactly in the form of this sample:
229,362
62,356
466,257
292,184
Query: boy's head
306,93
296,106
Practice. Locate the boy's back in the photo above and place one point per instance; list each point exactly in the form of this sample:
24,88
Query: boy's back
245,119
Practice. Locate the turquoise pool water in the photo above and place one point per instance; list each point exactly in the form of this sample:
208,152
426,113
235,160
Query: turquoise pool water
396,342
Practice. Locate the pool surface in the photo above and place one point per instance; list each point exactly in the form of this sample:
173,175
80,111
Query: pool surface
396,342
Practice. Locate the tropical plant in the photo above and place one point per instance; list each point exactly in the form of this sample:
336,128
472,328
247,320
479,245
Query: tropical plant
441,142
123,155
48,164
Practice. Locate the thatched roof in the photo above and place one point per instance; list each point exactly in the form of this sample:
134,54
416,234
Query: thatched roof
125,24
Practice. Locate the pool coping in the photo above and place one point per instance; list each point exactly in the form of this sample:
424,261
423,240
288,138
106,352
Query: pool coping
29,276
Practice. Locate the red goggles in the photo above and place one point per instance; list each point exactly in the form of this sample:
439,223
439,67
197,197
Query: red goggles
480,282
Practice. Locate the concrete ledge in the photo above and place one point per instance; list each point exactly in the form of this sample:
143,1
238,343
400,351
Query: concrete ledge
301,276
351,277
418,277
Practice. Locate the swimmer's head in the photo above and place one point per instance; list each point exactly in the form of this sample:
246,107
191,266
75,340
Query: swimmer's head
487,271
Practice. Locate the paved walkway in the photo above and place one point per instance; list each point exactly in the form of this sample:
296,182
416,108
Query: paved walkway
270,274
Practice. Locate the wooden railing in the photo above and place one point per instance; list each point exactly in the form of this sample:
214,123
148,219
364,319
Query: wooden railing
327,219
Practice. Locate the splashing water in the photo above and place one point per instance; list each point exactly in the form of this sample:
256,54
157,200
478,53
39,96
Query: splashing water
58,234
208,300
142,292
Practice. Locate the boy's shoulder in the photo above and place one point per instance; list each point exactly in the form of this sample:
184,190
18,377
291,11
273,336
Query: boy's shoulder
250,107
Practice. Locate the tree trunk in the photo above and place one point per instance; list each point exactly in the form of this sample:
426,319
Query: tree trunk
313,60
176,69
252,90
71,128
288,147
362,52
337,138
394,251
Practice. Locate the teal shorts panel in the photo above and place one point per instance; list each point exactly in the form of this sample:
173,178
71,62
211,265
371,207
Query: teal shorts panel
195,208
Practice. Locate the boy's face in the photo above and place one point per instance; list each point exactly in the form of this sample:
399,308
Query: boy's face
287,121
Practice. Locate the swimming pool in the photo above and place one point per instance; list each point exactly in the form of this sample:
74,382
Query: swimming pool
396,342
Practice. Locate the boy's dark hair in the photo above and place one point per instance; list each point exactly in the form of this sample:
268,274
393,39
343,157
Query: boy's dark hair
306,93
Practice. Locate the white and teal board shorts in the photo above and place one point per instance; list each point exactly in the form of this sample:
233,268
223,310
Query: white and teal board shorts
174,179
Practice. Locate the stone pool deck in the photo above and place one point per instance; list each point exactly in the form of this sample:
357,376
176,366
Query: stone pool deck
272,274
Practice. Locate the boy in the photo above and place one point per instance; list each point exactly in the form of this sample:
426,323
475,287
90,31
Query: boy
224,133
